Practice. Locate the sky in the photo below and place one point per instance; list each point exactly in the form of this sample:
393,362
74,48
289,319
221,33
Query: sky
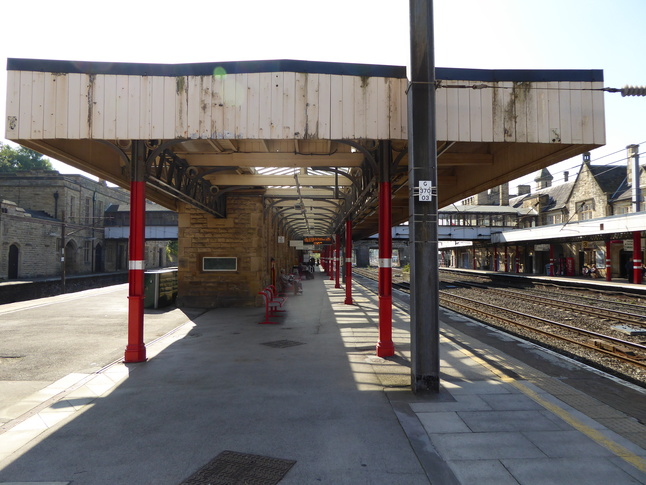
481,34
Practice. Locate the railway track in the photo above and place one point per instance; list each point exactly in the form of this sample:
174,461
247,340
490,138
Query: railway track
538,323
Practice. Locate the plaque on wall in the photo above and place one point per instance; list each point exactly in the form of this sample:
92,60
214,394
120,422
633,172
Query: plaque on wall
219,264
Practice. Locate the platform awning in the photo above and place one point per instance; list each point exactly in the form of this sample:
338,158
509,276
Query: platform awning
301,134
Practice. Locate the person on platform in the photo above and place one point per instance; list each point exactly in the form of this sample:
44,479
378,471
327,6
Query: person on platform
593,271
629,270
288,282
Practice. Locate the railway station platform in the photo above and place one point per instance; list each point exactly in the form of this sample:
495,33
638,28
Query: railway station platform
308,398
617,284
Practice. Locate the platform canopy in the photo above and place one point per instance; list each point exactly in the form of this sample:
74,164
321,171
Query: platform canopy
303,135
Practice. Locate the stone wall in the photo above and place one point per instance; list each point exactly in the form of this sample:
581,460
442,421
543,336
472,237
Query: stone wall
248,233
35,239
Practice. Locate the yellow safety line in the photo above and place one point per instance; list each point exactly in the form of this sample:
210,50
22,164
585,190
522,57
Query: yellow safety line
635,460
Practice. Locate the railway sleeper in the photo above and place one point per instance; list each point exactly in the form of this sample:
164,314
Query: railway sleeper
617,349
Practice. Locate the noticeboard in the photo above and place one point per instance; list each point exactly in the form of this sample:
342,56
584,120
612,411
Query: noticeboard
219,264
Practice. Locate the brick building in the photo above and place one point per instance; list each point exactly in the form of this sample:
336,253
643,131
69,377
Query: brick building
574,221
44,211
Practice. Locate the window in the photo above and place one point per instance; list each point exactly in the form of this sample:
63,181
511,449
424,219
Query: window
88,214
72,213
585,210
99,212
554,219
87,251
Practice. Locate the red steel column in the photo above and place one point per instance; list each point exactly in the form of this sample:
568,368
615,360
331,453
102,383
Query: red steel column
474,259
637,257
337,260
551,260
517,256
608,261
136,350
331,263
506,259
495,258
385,346
348,262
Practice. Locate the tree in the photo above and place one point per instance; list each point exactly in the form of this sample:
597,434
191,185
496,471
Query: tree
21,158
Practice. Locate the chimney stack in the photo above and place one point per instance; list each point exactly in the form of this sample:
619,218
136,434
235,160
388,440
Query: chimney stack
524,189
566,176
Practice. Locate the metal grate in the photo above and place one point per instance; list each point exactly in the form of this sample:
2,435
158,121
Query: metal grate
281,344
233,468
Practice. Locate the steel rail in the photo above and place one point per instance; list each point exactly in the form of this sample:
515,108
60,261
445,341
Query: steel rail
445,298
580,331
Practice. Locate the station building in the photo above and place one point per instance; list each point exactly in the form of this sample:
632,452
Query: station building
43,211
257,157
560,230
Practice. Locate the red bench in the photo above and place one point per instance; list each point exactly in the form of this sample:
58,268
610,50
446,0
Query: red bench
272,305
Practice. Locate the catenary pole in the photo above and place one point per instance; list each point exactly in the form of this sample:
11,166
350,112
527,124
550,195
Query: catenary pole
425,359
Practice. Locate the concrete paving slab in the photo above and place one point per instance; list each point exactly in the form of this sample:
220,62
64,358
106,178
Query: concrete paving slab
561,444
485,446
461,402
446,422
495,421
589,471
482,472
510,402
478,387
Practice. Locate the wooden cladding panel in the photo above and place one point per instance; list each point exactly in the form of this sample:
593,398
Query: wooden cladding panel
287,105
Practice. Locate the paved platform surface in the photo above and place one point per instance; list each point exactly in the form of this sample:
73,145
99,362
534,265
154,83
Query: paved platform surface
311,390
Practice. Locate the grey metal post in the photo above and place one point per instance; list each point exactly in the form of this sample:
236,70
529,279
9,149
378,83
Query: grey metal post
633,166
425,337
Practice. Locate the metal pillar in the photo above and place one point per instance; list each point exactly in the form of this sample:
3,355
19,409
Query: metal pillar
385,346
136,350
517,258
348,262
551,259
506,259
337,260
608,261
474,259
637,257
422,153
495,258
332,260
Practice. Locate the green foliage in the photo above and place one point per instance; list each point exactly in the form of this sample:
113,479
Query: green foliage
171,251
21,158
406,268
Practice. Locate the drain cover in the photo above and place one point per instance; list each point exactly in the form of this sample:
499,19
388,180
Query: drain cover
233,468
282,343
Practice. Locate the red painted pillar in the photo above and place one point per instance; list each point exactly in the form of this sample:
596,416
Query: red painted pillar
474,258
337,260
637,257
495,258
348,262
506,259
608,261
385,346
551,260
332,263
136,350
517,256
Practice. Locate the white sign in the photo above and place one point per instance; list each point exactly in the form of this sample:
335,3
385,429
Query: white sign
628,245
281,239
426,190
